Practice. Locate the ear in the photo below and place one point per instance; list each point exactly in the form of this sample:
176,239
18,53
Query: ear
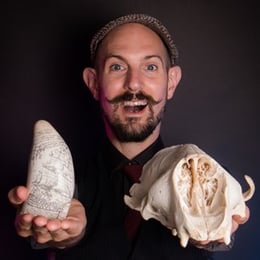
90,79
174,77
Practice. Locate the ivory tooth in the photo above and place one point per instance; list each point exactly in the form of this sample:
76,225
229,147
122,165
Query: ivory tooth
50,177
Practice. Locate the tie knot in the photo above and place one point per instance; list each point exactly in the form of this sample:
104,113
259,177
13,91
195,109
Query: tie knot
133,171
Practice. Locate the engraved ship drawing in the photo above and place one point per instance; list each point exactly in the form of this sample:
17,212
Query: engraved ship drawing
50,175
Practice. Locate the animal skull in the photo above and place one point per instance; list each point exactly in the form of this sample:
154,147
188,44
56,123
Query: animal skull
190,193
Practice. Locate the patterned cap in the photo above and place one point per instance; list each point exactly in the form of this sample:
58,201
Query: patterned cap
149,21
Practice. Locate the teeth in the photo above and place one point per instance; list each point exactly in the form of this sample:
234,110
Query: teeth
135,103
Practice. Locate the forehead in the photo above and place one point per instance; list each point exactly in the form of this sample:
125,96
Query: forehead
131,29
132,36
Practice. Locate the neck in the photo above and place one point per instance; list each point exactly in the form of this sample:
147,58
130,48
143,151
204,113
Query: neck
131,149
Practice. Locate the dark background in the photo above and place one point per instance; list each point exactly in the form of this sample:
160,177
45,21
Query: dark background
44,48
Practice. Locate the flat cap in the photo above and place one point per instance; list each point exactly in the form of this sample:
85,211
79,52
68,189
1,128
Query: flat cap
146,20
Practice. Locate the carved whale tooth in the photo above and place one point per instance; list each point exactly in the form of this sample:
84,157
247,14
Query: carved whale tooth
50,177
190,193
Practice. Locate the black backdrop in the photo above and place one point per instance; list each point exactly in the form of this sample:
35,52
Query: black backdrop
44,48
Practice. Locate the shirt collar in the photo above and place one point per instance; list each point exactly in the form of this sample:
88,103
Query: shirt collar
114,160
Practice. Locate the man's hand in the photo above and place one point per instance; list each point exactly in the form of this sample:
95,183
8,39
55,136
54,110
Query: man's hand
55,232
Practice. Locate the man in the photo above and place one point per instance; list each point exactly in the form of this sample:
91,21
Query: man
133,76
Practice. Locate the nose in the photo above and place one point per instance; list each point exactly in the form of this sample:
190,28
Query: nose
133,80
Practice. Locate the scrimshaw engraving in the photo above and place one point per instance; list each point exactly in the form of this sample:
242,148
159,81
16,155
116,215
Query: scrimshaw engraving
50,175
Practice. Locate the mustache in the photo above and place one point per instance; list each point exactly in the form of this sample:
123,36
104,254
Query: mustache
128,96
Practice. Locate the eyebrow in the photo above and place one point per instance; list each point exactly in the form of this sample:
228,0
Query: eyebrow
154,56
109,56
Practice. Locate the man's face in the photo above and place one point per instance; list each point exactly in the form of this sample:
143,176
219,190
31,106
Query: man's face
132,79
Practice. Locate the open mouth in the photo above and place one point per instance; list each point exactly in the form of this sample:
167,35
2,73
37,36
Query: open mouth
134,106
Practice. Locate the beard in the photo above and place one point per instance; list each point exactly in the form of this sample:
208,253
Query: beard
131,131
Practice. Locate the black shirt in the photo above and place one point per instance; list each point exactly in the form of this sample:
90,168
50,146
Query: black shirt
101,188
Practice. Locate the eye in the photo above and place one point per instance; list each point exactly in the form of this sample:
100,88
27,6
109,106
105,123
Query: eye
116,67
151,67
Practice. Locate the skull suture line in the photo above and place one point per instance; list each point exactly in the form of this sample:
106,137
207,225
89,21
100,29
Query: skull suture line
190,193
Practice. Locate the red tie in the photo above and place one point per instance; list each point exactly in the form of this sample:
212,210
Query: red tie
133,218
